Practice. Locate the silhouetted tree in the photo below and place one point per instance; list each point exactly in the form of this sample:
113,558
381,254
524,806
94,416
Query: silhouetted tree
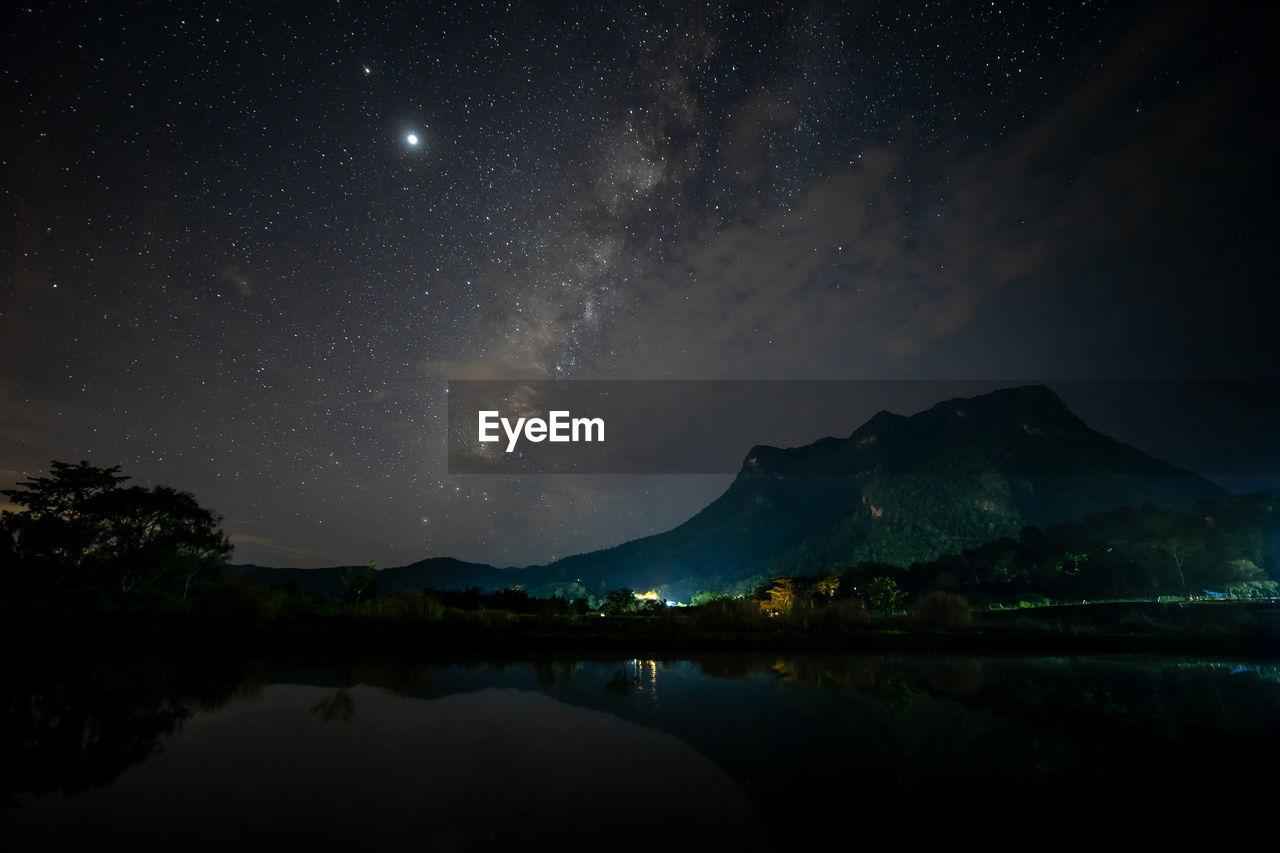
619,601
80,528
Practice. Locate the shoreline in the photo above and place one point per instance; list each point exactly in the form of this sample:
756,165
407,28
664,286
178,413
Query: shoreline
652,639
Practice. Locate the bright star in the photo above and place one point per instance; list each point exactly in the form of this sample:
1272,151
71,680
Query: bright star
412,139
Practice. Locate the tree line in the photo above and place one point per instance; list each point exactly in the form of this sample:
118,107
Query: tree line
82,531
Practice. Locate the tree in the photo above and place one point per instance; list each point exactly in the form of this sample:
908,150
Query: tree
1005,568
619,601
1177,548
705,596
827,586
782,596
158,534
56,531
884,595
80,528
360,583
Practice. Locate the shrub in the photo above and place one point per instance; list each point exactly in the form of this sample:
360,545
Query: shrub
406,609
726,612
847,613
941,610
705,596
239,601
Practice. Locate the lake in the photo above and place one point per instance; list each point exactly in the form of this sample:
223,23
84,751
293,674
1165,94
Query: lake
728,751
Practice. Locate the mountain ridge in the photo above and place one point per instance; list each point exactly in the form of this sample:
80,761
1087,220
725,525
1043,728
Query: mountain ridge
898,488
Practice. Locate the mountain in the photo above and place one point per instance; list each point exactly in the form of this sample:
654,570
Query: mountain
898,489
434,572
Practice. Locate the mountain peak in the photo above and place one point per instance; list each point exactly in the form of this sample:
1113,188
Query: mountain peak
903,489
880,420
991,428
1005,400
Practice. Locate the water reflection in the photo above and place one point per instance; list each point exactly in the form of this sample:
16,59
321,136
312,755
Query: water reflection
638,677
336,706
945,674
80,725
724,751
487,769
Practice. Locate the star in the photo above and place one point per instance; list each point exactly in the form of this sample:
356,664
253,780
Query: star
667,213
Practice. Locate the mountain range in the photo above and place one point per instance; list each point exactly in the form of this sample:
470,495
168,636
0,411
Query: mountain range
897,490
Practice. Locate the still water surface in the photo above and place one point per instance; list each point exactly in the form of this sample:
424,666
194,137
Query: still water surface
721,752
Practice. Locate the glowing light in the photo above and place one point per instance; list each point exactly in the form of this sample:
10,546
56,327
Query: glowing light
412,139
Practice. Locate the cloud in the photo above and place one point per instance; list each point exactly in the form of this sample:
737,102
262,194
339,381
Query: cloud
251,548
837,285
867,270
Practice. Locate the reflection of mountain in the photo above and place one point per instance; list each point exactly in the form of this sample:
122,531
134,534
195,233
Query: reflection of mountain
740,751
899,489
490,769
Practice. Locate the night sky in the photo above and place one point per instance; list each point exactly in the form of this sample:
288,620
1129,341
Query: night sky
246,246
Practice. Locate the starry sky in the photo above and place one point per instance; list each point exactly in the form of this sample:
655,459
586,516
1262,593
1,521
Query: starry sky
247,246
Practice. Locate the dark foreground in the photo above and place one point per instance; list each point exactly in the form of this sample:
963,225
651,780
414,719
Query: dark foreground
1249,628
750,751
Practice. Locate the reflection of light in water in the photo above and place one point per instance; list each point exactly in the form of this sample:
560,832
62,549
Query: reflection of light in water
647,678
495,768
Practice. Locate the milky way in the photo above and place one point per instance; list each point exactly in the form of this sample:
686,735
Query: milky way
247,248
